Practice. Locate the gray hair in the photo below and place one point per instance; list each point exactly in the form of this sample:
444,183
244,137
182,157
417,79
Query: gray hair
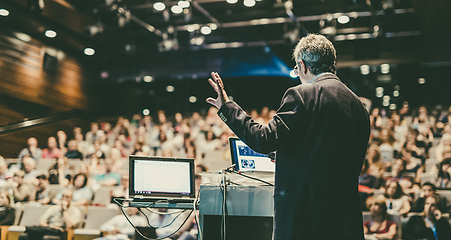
317,52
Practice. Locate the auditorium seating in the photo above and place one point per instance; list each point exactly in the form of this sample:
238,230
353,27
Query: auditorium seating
95,218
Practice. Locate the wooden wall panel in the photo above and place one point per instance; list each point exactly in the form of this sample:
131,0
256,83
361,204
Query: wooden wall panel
29,91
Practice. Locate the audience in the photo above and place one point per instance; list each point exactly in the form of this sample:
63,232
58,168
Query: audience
401,144
444,174
379,226
430,225
52,151
22,191
56,219
397,201
7,213
42,189
428,190
32,150
81,193
119,228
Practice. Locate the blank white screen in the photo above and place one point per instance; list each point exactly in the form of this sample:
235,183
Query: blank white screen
162,177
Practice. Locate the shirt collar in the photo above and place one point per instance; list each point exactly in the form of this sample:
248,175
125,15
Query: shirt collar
313,79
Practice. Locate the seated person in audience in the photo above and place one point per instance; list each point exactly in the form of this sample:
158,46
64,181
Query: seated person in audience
72,152
22,192
94,134
95,166
95,150
365,178
5,173
430,225
119,228
122,189
60,173
30,170
428,189
397,201
62,141
413,165
42,189
444,175
56,219
379,226
32,150
397,170
7,213
82,194
445,141
51,151
367,183
109,178
446,152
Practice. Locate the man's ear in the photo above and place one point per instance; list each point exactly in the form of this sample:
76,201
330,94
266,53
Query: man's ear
304,68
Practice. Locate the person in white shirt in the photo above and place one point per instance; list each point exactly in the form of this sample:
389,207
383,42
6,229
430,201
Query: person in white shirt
119,228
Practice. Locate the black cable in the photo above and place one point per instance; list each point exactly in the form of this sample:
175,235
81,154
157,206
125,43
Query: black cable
167,225
145,237
199,230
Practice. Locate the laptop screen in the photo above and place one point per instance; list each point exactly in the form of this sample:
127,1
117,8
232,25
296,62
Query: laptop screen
246,159
161,177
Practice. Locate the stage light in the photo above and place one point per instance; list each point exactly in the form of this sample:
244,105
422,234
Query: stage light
380,89
379,94
22,36
146,112
385,103
392,106
213,26
386,98
365,69
89,51
351,36
4,12
205,30
104,74
385,68
192,99
170,88
232,1
183,4
176,9
396,93
421,81
148,78
249,3
159,6
50,33
343,19
293,74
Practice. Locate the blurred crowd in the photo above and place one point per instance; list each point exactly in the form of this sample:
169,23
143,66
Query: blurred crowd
406,171
98,158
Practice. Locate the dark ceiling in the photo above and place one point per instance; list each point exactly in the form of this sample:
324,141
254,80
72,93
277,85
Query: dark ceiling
133,40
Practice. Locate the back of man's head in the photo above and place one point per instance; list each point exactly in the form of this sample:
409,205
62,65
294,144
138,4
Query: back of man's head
317,52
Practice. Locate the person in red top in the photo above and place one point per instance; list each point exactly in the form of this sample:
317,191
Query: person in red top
379,226
52,151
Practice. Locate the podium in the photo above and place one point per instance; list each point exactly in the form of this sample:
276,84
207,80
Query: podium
249,212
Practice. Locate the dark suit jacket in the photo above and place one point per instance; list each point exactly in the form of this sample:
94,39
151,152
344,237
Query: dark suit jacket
320,133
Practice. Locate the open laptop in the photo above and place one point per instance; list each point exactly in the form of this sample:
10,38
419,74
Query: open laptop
247,160
161,179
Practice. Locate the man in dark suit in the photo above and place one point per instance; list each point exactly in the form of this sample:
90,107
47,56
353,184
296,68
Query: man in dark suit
320,134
